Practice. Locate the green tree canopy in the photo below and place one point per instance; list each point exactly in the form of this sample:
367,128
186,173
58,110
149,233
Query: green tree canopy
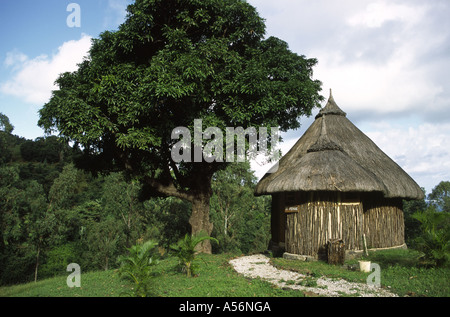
5,125
5,128
48,150
169,63
440,196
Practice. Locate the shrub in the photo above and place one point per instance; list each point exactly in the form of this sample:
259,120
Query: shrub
58,258
137,266
185,250
434,240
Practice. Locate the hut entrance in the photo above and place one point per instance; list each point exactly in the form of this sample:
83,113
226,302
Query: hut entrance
318,217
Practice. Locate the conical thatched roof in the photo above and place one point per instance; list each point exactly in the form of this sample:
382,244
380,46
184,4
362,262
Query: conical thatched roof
334,155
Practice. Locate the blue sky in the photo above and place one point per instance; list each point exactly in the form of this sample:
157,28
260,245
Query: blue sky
37,42
39,26
387,62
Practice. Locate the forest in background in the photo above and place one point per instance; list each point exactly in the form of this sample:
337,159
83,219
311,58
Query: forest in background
53,214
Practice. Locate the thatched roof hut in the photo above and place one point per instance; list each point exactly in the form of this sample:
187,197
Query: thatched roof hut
334,168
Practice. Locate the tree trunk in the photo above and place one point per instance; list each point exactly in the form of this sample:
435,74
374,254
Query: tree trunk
199,195
37,264
199,221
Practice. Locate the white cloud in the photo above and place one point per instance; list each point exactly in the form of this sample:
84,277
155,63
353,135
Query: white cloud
380,57
379,12
378,89
421,151
14,57
387,63
379,61
33,79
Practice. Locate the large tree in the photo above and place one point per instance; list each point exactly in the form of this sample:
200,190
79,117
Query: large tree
169,63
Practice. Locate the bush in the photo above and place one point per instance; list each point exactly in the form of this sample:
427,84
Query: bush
137,266
185,250
57,260
434,240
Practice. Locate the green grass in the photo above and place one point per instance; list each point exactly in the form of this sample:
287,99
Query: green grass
93,284
406,275
216,278
400,273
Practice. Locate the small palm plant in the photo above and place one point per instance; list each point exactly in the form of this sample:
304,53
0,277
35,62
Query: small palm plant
137,266
186,251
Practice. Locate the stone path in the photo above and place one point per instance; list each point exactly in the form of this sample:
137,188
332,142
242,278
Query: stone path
258,266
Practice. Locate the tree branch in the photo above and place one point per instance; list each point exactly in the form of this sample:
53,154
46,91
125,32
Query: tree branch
178,176
169,190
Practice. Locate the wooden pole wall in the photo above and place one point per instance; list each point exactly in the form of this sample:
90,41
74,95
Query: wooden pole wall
322,216
384,223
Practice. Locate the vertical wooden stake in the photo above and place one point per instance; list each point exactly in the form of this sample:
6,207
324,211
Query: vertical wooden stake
365,245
